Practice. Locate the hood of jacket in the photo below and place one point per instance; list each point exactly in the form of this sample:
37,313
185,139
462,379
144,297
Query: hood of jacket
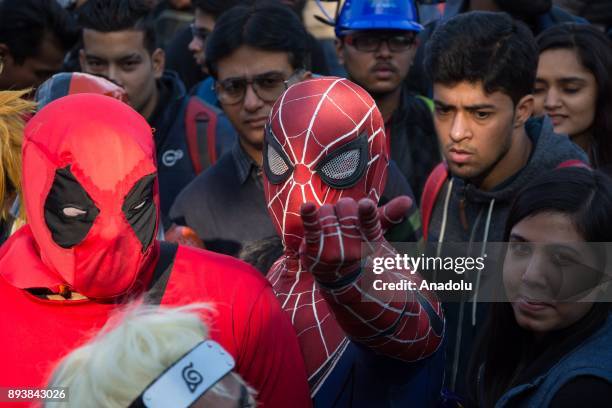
172,94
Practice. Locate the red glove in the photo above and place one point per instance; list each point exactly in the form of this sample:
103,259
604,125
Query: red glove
333,234
407,325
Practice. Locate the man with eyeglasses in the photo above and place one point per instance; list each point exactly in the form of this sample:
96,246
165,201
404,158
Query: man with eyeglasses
119,43
185,52
254,54
376,42
206,13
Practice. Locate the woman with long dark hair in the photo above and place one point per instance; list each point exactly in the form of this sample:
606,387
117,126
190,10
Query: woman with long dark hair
549,342
574,87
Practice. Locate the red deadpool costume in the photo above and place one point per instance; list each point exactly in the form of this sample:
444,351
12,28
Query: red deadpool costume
325,145
91,196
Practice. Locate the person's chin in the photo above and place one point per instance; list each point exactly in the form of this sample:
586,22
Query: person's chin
374,83
564,129
382,86
530,323
254,136
463,170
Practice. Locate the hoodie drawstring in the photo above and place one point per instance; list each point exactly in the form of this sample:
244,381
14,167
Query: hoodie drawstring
482,253
443,226
444,217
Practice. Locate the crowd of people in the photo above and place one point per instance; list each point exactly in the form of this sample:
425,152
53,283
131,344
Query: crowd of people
192,191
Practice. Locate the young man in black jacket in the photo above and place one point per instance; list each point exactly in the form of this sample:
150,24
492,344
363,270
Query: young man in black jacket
483,67
119,43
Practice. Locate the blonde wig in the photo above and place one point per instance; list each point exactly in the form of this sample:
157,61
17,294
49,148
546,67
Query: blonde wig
128,354
13,112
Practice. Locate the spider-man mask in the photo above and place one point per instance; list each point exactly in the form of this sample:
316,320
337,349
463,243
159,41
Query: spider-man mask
91,192
325,140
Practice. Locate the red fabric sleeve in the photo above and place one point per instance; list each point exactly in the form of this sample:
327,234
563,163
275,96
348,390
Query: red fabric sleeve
271,354
248,322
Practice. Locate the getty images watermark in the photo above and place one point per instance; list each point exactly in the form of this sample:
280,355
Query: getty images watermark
411,264
489,272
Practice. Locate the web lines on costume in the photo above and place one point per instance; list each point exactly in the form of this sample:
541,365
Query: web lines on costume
310,135
303,298
398,325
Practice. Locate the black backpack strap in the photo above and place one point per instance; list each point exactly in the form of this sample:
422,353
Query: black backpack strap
161,274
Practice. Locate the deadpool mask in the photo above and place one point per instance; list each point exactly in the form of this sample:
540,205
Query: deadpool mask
90,189
325,140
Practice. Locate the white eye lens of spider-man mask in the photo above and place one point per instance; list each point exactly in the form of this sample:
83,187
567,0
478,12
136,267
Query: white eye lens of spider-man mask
343,167
276,164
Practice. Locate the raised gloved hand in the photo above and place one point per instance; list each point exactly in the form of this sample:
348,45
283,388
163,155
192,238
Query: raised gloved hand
333,235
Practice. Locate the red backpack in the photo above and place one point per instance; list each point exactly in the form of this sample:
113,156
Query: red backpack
437,178
201,128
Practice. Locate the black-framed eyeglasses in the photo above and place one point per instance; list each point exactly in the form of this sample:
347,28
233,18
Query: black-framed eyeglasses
267,86
371,42
198,32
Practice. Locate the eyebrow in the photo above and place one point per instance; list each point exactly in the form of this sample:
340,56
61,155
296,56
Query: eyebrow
480,106
442,104
572,79
130,57
568,248
276,72
122,58
564,80
517,237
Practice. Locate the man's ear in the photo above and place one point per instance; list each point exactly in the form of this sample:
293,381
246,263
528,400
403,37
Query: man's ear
158,58
5,55
523,110
305,75
339,50
4,50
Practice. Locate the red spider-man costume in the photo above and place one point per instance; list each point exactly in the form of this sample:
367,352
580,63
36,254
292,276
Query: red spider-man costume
91,197
325,145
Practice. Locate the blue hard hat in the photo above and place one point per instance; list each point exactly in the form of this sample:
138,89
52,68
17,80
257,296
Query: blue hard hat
377,15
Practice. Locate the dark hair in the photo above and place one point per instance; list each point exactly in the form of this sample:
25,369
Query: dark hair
216,7
586,197
491,48
269,27
117,15
262,253
23,24
594,52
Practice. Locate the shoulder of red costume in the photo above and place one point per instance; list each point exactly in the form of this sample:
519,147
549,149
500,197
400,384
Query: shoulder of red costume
211,265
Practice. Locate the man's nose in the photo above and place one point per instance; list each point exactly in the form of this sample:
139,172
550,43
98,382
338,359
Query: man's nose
195,45
114,75
252,101
383,51
459,128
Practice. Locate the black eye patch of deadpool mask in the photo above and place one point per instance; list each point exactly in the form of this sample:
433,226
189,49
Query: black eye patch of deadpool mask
69,211
140,211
